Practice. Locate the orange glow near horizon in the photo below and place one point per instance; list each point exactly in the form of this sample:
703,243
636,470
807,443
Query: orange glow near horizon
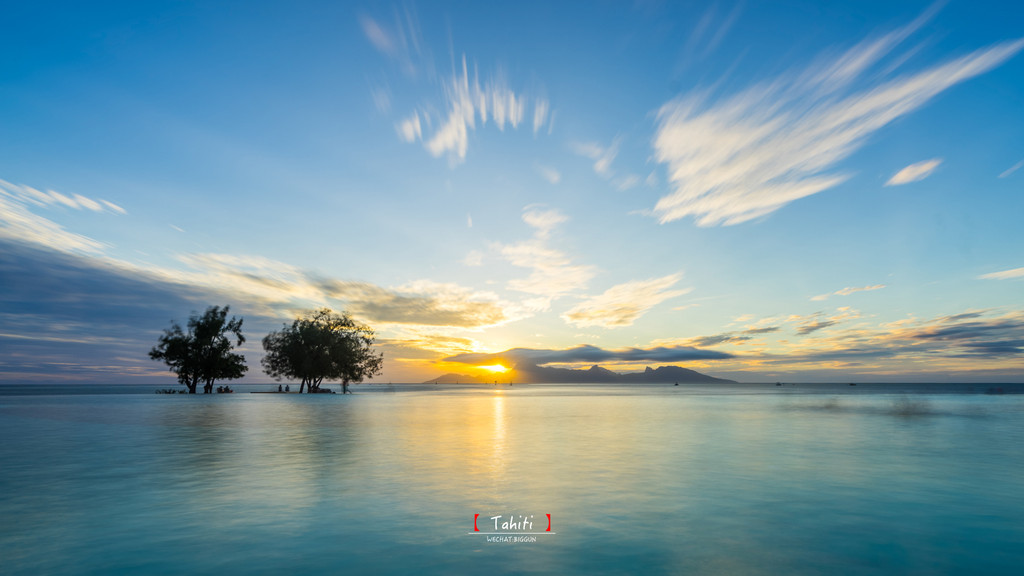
496,368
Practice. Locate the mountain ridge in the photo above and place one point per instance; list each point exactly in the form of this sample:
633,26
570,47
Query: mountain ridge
593,375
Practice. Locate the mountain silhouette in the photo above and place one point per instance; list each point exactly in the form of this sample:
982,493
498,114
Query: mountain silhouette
593,375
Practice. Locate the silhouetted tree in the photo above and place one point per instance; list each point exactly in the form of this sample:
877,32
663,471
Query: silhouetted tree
320,346
203,354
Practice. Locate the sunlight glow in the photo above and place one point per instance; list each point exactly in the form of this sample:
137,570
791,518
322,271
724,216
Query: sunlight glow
496,368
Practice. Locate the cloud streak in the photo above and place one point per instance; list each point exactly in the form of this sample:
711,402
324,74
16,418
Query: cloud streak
745,156
915,172
528,357
19,223
398,40
964,347
420,303
280,286
847,291
818,321
736,338
65,317
550,174
467,103
1012,169
1004,275
553,274
31,196
623,304
603,156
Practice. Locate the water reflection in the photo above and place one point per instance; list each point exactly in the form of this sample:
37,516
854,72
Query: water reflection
389,483
497,459
240,460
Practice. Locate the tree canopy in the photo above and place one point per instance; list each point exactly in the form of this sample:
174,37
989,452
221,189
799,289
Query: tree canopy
322,345
203,353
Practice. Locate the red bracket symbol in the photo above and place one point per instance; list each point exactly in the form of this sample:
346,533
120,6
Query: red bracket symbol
475,516
549,523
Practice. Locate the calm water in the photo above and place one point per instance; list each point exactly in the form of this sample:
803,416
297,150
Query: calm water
654,480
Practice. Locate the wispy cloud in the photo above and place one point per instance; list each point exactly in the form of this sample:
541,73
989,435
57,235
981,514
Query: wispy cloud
1004,275
734,159
398,39
814,325
466,103
550,174
627,182
735,337
710,31
915,172
847,291
964,347
588,354
381,97
603,156
377,36
279,288
74,317
969,346
415,344
540,114
474,258
553,274
87,304
31,196
19,223
270,286
544,221
423,303
981,337
623,304
410,129
1012,169
819,321
976,336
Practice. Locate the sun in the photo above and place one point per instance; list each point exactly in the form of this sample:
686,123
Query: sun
496,368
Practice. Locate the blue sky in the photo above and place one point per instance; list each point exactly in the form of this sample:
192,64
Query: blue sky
753,190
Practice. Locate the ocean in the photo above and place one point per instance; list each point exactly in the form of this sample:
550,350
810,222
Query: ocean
522,479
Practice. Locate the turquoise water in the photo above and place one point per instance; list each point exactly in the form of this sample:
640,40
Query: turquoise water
636,480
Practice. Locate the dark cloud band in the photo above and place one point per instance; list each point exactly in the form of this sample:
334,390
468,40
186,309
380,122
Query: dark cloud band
539,357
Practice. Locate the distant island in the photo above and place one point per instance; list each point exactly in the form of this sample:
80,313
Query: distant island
594,375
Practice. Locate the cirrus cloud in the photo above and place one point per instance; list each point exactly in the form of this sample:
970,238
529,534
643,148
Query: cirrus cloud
915,172
623,304
1004,275
466,103
552,272
19,223
847,291
745,156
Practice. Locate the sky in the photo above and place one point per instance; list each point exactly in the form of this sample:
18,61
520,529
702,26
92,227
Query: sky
759,191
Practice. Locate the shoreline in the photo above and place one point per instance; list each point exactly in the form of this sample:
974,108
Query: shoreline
846,388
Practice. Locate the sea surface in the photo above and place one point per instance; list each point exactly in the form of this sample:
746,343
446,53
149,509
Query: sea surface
747,479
